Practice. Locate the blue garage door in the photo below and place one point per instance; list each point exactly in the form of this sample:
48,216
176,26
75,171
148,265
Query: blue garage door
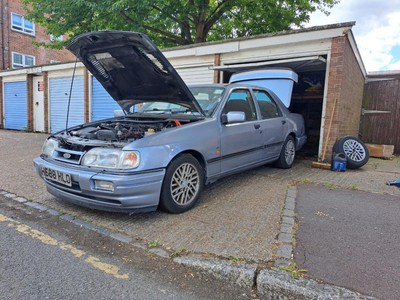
59,94
103,105
15,105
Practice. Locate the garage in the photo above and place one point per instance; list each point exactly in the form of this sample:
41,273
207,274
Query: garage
103,105
308,91
331,75
60,95
15,105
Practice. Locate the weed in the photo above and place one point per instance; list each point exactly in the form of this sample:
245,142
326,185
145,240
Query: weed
179,252
232,258
153,244
330,186
304,181
293,270
354,186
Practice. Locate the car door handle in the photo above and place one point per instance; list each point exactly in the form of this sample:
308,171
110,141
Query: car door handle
283,122
257,126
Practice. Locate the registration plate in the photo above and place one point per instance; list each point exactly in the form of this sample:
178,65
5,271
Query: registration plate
57,176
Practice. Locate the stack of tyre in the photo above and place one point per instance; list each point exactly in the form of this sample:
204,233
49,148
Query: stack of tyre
355,150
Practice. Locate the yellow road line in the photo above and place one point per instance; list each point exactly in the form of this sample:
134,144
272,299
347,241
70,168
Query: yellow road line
48,240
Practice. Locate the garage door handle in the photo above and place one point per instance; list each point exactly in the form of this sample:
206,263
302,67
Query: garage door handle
257,126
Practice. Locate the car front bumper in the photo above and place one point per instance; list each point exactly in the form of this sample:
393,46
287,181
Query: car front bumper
132,192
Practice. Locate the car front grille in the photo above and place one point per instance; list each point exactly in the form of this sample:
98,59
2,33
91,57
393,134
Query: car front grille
68,156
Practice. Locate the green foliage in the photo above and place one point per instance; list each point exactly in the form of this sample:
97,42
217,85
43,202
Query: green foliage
232,258
153,244
293,270
171,23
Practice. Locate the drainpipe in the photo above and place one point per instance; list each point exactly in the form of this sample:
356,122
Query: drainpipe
3,50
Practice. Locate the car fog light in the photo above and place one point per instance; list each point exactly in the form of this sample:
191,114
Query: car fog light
104,185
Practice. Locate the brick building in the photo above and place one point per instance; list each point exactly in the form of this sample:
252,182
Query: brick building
17,35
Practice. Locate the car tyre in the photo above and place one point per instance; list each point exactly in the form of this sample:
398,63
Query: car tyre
355,150
288,152
182,185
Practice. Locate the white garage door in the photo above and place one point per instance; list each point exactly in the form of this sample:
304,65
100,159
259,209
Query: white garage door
196,75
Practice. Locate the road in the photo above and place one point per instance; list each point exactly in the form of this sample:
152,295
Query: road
45,257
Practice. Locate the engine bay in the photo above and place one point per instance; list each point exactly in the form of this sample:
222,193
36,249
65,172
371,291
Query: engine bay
124,130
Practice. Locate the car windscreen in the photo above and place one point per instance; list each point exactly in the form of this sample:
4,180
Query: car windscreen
208,97
160,107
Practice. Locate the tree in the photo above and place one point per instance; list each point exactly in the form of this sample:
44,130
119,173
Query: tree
172,23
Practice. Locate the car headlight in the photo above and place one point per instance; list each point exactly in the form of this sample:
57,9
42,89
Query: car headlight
111,158
49,146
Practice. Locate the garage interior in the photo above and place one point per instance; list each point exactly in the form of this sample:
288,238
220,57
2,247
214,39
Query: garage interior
307,96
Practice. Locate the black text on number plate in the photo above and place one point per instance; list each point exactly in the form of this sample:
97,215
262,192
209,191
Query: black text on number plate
57,176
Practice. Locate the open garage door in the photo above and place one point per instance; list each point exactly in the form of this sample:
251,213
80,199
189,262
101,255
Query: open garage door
308,92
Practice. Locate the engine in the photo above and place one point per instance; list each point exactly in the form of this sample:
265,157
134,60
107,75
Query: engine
122,131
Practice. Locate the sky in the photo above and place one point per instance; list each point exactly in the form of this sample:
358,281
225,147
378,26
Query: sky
377,30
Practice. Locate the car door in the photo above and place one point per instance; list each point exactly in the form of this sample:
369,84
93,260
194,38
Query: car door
273,124
241,143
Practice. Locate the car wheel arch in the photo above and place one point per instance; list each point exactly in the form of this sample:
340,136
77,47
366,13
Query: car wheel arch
293,135
196,154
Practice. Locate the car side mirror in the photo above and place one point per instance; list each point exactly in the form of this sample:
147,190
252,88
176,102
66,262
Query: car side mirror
233,117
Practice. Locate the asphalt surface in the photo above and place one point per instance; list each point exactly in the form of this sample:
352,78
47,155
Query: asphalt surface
45,257
241,216
350,238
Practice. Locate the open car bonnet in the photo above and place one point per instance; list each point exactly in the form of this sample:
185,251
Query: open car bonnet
131,68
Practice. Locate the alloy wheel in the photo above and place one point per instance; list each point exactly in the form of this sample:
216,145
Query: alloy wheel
185,184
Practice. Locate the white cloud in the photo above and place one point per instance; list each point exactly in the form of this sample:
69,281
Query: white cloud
377,29
394,66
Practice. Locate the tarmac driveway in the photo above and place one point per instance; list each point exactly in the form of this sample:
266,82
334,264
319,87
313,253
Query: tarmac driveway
237,216
350,238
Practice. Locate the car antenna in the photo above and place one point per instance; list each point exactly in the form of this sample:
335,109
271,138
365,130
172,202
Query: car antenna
70,94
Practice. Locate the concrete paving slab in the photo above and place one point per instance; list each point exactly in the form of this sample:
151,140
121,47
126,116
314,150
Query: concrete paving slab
237,216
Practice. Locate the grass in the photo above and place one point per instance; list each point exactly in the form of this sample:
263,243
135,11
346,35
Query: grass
304,181
293,270
330,186
354,186
232,258
153,244
179,252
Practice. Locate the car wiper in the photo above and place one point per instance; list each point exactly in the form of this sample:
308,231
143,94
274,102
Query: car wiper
183,111
166,111
156,110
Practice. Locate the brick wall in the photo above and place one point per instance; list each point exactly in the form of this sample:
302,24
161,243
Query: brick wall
15,41
1,103
29,86
344,95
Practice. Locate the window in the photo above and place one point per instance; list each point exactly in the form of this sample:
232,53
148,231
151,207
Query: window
241,100
22,60
19,23
268,107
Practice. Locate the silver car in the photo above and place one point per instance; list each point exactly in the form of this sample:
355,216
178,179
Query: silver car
171,139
